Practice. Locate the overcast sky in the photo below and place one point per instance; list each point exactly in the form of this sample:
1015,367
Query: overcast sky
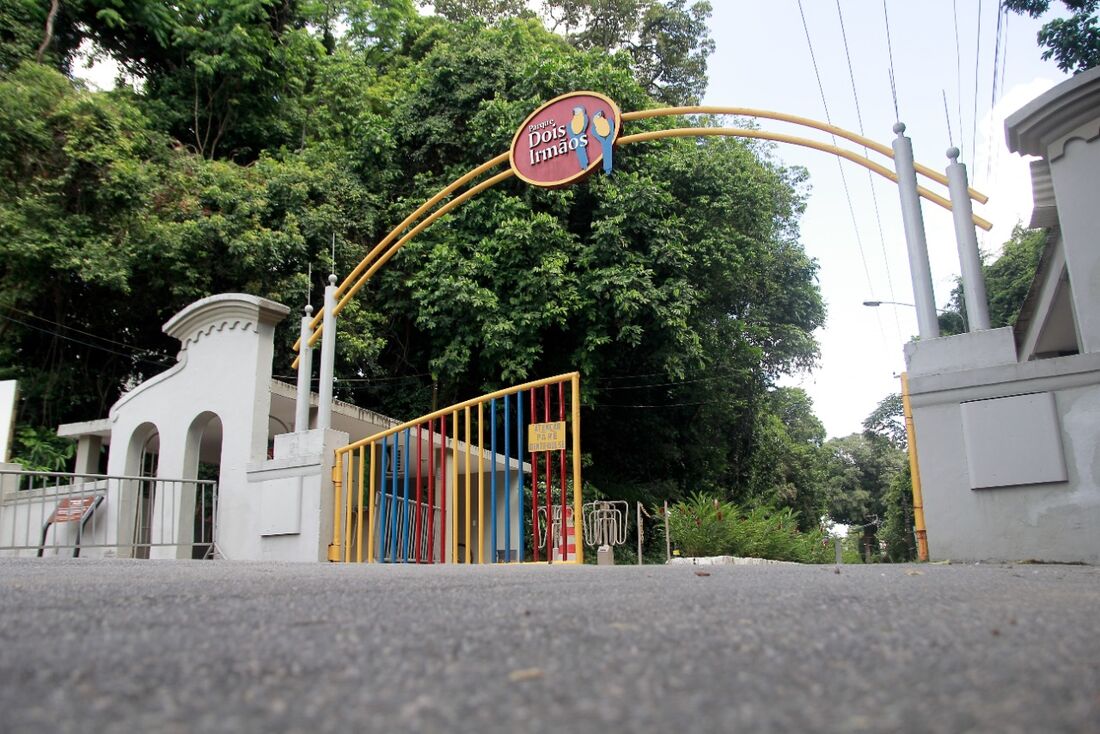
763,61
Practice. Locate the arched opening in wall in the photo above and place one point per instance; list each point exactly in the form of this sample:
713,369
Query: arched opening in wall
275,427
199,509
142,462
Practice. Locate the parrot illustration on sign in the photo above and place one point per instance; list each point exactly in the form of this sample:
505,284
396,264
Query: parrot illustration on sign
576,129
604,130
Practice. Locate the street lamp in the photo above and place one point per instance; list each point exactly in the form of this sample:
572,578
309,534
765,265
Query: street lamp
875,304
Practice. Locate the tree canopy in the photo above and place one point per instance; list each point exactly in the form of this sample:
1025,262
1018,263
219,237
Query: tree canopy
1074,41
260,132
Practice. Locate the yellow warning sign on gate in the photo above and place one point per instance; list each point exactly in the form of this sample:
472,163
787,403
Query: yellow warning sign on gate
546,436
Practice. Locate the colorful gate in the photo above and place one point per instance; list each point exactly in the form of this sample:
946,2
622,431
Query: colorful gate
453,486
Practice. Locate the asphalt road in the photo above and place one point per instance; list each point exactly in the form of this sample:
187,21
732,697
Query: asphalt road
139,646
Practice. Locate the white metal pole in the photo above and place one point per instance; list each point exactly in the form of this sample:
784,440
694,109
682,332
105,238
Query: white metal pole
913,219
328,356
970,262
305,374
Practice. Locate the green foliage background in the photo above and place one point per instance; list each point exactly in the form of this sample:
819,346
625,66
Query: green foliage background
246,136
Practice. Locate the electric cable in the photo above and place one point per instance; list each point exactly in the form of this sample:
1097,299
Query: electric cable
840,166
870,177
90,345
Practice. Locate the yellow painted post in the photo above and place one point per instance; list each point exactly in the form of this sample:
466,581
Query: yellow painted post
337,472
349,486
359,492
577,496
914,470
480,483
454,486
469,520
370,504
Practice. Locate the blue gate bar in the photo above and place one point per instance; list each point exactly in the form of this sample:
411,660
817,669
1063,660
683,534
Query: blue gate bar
393,499
382,507
507,480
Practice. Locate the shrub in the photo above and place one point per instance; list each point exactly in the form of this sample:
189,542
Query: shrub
706,526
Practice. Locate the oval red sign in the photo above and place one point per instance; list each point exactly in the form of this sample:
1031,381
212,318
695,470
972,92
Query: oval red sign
566,139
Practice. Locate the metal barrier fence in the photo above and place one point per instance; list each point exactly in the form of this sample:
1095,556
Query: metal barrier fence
414,494
56,513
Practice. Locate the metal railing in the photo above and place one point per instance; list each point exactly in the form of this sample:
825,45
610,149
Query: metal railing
59,513
428,492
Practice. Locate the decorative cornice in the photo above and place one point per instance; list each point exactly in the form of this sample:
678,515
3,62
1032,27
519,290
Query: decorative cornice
1056,113
233,311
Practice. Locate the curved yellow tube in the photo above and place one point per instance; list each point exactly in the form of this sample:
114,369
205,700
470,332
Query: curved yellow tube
693,132
795,119
442,194
452,204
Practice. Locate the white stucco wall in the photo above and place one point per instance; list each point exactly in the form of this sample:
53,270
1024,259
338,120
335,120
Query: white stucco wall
224,371
1051,521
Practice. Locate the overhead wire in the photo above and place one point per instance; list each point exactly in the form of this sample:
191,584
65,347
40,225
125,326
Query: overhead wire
132,355
974,116
843,177
994,96
958,79
870,177
890,56
124,345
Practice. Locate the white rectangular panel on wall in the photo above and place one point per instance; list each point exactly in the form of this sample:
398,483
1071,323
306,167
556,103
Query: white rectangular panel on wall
281,507
1012,441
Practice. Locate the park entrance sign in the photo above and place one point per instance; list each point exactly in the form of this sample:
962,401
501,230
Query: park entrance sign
566,139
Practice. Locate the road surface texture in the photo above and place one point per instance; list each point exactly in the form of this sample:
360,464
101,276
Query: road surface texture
141,647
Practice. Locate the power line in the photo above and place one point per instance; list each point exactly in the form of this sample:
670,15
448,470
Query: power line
124,345
974,117
958,77
1001,14
840,166
662,405
90,345
890,52
870,177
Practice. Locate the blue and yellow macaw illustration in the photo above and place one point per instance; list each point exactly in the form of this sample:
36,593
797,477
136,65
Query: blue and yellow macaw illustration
576,129
603,130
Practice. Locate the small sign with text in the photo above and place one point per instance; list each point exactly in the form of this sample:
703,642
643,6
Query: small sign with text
546,436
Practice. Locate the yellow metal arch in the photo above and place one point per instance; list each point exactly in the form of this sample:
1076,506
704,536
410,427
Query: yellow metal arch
795,119
694,132
381,253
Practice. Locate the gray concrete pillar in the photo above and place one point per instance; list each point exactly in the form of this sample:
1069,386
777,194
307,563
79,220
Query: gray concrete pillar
87,454
305,374
919,269
970,262
328,356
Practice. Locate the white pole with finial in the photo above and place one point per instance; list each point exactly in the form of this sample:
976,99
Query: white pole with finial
328,356
305,373
970,261
913,219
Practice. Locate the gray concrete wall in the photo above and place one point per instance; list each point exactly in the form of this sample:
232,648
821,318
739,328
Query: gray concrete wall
1050,521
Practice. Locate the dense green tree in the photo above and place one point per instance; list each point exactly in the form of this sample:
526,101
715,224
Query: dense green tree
1007,281
1073,42
887,420
787,462
667,41
897,526
859,471
677,285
